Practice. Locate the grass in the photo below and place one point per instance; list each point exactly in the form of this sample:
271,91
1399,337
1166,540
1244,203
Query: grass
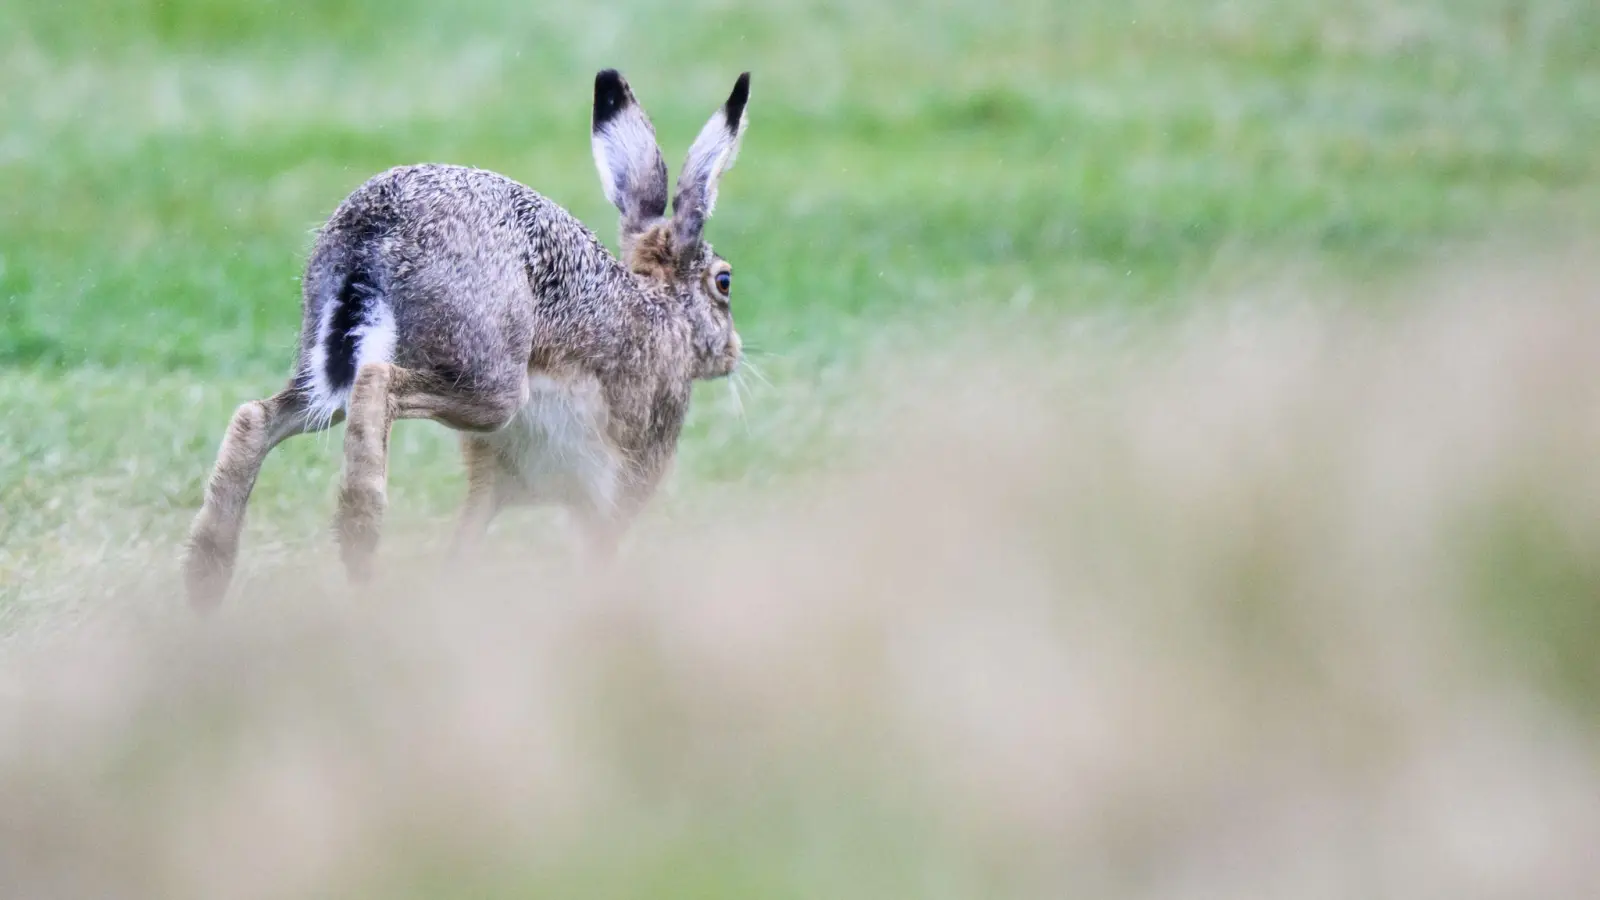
162,168
163,163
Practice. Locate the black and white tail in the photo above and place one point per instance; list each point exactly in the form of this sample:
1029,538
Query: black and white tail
356,326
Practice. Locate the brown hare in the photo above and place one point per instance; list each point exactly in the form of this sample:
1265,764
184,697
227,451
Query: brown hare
459,295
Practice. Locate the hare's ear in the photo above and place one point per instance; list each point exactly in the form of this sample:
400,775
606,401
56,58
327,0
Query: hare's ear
711,155
625,152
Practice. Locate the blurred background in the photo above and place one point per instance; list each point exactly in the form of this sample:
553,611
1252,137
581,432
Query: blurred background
1273,312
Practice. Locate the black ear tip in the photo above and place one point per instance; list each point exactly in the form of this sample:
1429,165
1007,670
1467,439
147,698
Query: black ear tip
737,100
610,96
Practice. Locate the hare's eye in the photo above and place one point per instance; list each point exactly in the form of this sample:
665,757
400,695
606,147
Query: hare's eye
724,282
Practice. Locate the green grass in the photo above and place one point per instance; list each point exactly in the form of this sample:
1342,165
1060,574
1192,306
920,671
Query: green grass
909,164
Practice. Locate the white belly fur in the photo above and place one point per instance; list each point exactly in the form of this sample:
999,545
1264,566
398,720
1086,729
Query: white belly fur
556,443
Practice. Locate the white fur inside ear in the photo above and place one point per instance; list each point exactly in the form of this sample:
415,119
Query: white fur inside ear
723,163
713,153
625,154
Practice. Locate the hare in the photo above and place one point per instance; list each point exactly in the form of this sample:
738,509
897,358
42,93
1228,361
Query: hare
459,295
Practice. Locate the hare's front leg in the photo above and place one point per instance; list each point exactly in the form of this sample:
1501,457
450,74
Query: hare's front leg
490,487
382,394
609,513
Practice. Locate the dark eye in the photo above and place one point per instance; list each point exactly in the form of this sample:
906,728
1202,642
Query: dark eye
724,282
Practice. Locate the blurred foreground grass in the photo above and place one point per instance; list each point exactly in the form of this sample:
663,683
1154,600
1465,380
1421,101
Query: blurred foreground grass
1286,602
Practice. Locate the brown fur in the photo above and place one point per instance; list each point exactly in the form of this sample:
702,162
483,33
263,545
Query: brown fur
650,254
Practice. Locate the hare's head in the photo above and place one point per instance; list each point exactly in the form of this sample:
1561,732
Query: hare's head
672,249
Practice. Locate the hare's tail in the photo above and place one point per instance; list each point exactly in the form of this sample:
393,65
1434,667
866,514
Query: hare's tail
354,327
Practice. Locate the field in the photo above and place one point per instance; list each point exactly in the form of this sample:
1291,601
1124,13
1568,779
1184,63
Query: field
1243,342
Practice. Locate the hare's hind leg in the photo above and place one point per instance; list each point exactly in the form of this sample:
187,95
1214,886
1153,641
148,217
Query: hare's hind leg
256,428
384,393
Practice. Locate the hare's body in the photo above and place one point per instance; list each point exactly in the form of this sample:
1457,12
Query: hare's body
577,362
463,296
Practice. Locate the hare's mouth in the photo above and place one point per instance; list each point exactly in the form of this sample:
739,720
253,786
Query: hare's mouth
722,366
726,362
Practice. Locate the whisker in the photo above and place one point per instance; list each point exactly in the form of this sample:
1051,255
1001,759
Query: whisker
760,354
738,400
755,370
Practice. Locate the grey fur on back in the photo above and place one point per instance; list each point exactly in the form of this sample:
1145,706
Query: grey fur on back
463,296
483,275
